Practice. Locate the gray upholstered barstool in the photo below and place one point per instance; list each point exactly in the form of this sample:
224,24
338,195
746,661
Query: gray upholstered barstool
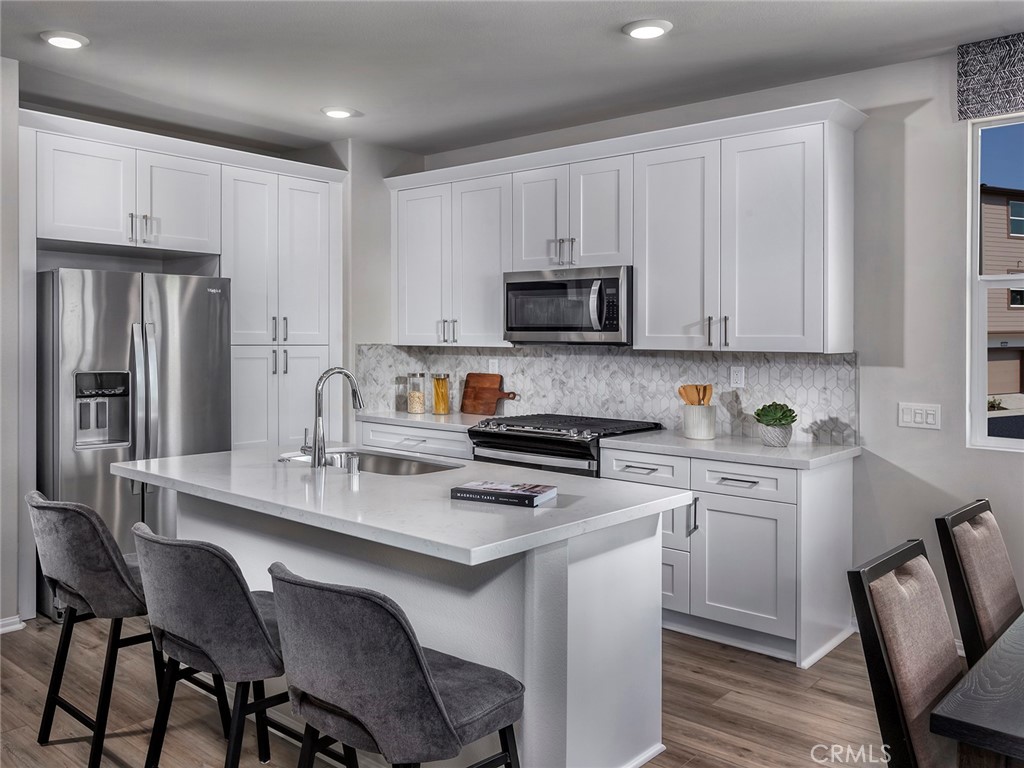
87,572
357,673
204,616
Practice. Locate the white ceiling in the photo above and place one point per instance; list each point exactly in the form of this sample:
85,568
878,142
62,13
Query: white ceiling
430,76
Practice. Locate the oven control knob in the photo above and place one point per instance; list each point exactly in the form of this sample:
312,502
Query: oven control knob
573,432
502,427
587,434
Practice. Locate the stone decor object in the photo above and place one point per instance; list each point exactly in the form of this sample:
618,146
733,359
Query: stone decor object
990,77
775,424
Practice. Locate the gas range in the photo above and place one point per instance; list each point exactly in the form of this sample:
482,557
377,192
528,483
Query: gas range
556,442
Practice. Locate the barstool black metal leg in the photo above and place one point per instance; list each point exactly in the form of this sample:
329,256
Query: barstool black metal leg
158,664
507,736
308,754
163,713
106,689
56,676
262,732
222,704
234,754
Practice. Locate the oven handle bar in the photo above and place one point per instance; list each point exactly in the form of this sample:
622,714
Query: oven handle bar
535,458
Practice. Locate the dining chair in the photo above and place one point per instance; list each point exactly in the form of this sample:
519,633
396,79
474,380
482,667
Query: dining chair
985,595
911,658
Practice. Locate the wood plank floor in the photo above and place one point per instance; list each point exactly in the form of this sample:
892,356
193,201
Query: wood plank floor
723,707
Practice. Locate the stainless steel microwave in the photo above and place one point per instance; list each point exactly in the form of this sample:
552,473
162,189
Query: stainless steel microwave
569,306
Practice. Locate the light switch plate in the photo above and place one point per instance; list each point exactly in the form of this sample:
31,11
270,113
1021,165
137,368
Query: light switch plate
492,365
737,377
920,416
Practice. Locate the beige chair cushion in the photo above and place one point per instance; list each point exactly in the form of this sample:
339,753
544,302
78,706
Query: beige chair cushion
919,640
988,573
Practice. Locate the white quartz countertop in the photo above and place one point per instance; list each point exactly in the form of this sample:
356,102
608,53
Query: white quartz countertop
412,512
456,422
744,450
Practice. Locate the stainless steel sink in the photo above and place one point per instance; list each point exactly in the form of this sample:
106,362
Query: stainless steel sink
376,463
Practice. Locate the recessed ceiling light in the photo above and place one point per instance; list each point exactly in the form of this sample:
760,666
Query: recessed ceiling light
66,40
647,29
337,112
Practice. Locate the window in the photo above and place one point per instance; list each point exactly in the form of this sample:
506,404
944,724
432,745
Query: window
996,376
1016,218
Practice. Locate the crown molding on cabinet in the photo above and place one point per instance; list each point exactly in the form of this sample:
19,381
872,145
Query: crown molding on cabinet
833,111
47,123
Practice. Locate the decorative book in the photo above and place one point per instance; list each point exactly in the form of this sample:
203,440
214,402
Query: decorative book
517,494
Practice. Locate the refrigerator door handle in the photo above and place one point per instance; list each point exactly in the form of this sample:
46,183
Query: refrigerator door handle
139,393
152,394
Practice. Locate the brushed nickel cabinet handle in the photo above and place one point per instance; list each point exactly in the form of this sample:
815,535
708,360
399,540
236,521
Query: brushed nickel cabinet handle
692,513
710,343
273,332
286,362
455,331
284,334
572,250
273,371
131,227
561,242
444,331
725,335
145,227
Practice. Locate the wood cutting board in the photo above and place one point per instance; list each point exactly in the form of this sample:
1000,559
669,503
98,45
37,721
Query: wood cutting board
482,394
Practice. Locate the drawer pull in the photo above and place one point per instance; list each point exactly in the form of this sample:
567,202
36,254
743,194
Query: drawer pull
691,511
639,470
414,440
738,482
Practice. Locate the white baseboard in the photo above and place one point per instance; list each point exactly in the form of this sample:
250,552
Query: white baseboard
11,624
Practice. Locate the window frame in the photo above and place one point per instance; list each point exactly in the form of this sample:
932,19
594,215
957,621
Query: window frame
978,285
1010,218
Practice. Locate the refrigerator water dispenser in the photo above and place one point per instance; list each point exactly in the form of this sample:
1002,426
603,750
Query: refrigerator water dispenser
102,409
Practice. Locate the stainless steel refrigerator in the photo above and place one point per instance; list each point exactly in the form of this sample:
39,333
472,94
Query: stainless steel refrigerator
131,366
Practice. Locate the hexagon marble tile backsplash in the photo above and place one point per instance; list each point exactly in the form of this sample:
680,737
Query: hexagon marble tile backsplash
625,383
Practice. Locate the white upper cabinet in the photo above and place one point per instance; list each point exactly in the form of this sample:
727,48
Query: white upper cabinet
178,200
86,190
424,243
481,253
601,213
577,215
304,261
676,252
94,192
249,257
773,241
277,254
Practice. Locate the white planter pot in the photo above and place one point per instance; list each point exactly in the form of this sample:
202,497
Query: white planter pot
774,436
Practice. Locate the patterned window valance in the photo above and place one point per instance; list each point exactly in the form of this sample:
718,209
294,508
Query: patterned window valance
990,77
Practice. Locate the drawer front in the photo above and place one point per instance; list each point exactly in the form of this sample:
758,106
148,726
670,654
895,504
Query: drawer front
675,580
650,468
674,526
748,480
438,442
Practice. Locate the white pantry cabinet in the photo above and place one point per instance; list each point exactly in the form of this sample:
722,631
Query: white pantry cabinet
453,246
95,192
272,394
730,246
276,252
576,215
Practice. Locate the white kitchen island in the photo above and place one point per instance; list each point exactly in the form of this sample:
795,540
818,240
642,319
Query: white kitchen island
566,596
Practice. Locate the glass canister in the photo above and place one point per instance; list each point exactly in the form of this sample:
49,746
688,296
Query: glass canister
442,394
417,396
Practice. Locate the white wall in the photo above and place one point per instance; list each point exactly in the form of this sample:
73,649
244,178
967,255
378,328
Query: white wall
911,297
9,502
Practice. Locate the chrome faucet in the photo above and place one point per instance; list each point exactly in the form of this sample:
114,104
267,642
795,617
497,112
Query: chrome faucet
318,457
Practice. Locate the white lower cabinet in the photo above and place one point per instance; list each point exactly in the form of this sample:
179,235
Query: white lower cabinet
272,394
415,439
743,563
675,580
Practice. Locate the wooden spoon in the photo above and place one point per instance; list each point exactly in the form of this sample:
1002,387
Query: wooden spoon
706,397
689,394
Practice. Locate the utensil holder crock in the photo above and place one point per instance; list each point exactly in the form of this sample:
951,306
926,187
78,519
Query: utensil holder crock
699,422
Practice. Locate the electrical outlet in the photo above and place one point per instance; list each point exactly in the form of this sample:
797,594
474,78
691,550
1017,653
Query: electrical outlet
492,365
737,377
920,416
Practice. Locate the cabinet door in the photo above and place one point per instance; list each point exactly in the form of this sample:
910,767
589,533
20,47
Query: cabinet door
676,247
300,369
601,213
675,525
743,563
540,218
481,253
773,286
304,261
179,200
249,256
424,242
675,580
86,190
254,391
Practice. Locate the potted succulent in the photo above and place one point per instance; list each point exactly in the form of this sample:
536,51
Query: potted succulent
775,422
